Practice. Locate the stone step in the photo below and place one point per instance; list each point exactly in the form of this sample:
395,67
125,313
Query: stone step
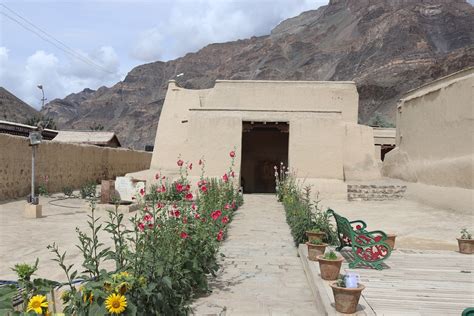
372,192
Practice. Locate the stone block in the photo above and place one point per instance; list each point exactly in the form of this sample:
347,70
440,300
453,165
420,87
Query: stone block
32,211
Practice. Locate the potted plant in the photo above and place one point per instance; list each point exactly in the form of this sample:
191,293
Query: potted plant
465,242
315,248
330,265
346,299
391,240
315,233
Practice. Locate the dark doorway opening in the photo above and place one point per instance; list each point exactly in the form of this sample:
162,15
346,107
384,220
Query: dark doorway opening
264,145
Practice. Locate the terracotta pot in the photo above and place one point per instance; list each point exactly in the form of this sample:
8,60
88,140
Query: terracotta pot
329,268
346,299
466,245
391,240
315,250
313,235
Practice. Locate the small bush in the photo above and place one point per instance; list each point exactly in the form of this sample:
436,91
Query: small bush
88,190
67,191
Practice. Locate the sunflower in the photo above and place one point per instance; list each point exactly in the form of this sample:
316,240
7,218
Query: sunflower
36,304
116,303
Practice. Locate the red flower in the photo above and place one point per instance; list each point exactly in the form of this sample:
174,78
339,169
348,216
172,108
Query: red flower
180,162
216,214
187,187
194,207
159,205
203,188
197,216
177,213
227,206
179,187
157,176
184,235
141,226
150,226
148,218
189,196
191,166
233,205
225,220
225,177
163,188
220,235
232,154
232,174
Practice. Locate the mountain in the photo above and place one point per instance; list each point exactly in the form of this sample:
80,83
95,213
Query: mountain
386,46
13,109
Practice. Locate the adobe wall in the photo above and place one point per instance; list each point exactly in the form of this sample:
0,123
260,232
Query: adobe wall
435,142
65,164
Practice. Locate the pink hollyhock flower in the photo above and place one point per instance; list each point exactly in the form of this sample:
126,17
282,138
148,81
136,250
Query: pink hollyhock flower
179,187
180,162
185,220
216,214
232,174
233,205
225,220
141,226
184,235
157,176
159,205
189,196
220,235
163,188
150,226
203,188
187,187
227,206
148,218
197,216
225,177
232,154
194,207
177,213
191,166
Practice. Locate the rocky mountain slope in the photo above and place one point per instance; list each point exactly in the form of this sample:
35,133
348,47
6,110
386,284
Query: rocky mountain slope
13,109
386,46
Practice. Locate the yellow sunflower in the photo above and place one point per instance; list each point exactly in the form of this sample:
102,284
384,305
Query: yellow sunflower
116,303
36,304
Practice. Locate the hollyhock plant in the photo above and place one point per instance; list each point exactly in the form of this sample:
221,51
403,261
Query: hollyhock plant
220,235
216,214
189,197
225,220
203,188
225,177
180,162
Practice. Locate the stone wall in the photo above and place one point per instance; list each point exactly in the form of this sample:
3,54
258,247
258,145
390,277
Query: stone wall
66,165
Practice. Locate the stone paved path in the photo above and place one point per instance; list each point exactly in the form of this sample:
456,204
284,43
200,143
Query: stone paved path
261,273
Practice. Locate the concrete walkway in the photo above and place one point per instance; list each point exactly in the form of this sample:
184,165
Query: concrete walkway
260,273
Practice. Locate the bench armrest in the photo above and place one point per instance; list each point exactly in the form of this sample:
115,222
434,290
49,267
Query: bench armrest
359,222
368,239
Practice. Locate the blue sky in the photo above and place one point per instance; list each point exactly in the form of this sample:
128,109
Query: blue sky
118,35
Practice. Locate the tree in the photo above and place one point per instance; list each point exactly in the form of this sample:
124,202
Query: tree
47,122
96,127
380,121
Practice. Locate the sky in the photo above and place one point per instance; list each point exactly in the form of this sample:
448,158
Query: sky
97,42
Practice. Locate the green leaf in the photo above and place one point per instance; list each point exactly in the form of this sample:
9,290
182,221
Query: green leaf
167,281
7,293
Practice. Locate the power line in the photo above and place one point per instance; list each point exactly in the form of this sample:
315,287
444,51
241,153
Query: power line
51,39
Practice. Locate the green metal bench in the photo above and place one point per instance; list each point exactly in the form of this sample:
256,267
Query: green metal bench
369,248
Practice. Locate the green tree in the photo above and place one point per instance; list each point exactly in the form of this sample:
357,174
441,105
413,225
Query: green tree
48,122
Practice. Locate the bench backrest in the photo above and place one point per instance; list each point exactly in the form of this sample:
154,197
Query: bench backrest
343,225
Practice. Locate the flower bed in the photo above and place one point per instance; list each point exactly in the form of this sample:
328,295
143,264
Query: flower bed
302,214
160,264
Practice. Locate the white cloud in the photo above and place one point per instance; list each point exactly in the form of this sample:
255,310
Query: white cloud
191,25
58,77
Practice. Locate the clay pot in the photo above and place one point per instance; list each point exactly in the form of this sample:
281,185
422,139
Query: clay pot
346,299
315,250
466,245
313,235
329,268
391,240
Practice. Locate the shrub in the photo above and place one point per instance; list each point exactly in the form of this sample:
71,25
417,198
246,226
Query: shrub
67,191
465,234
302,214
88,190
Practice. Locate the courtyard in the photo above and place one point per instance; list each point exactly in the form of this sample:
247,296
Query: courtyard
261,272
